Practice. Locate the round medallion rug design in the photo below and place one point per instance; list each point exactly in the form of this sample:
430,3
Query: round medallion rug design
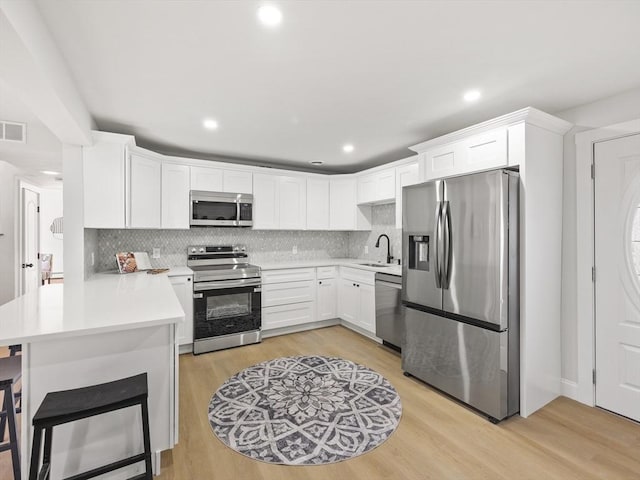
305,410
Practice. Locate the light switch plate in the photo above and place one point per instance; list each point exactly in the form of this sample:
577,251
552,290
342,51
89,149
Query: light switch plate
366,249
156,253
295,250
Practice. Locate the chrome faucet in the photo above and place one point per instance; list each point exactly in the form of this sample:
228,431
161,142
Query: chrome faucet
389,257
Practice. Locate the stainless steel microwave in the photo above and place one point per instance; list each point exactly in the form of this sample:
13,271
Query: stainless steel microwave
217,209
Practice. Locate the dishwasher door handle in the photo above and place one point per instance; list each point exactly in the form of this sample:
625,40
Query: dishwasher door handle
397,286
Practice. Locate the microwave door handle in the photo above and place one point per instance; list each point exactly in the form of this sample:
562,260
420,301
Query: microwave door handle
237,222
436,257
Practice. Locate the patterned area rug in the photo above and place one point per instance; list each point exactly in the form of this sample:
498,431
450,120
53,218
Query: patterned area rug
305,410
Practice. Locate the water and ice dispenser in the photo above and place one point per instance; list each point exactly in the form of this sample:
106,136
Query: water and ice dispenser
419,252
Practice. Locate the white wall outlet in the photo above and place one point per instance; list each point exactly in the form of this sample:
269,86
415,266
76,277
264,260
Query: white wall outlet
93,259
156,252
294,250
366,249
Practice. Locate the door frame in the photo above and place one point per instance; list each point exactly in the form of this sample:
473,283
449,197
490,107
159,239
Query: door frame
585,250
21,185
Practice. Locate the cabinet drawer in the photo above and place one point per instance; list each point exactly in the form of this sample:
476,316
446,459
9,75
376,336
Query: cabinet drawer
286,315
326,272
357,275
288,275
287,293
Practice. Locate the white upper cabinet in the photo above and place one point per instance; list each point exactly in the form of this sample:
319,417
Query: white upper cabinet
280,202
405,175
344,213
104,185
175,195
484,151
317,203
235,181
377,187
212,179
207,179
144,192
265,202
292,203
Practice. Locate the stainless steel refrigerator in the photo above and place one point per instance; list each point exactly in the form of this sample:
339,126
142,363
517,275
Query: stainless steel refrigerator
460,288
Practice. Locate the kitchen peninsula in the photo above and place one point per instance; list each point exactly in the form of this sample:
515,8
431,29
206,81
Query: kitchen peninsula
109,327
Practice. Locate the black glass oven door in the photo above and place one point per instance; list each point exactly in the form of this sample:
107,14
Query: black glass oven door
226,311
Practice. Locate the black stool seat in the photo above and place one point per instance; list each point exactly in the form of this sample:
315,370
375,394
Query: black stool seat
10,373
67,406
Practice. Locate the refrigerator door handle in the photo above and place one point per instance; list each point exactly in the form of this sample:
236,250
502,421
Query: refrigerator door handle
446,241
437,235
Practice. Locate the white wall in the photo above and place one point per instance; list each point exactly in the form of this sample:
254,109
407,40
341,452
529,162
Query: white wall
604,112
50,208
8,224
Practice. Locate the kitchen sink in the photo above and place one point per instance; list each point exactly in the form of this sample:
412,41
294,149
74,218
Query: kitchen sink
377,265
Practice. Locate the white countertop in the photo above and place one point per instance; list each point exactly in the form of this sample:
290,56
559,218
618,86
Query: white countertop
326,262
105,303
179,271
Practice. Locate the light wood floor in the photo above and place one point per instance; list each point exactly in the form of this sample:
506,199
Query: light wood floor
437,438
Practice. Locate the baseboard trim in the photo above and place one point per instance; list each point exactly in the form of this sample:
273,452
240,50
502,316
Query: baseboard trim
299,328
569,389
359,330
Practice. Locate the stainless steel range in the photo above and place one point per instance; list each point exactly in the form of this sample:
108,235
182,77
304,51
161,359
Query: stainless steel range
226,298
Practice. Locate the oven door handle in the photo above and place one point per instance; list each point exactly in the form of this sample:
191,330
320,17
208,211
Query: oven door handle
250,282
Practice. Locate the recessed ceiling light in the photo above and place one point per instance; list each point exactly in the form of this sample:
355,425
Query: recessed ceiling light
316,162
49,172
472,95
270,16
348,148
210,124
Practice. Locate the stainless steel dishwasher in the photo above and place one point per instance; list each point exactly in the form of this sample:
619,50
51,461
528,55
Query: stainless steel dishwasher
389,317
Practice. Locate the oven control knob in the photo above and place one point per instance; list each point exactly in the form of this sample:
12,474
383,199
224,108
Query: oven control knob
193,250
201,250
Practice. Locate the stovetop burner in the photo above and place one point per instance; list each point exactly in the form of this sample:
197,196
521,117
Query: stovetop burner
221,262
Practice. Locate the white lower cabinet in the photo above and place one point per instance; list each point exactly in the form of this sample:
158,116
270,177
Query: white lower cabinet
327,297
357,298
298,296
287,315
288,297
183,287
348,300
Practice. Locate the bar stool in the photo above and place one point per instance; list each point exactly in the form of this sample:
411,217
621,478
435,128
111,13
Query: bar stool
67,406
13,349
10,373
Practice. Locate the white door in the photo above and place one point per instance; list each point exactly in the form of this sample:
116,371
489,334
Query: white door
145,193
317,204
617,262
184,291
292,203
342,204
367,307
348,300
265,197
326,299
237,182
30,241
175,196
206,179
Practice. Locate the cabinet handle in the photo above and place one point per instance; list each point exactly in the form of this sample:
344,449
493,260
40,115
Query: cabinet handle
320,283
358,286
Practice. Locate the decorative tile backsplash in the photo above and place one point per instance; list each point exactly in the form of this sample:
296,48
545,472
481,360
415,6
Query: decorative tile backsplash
383,221
263,246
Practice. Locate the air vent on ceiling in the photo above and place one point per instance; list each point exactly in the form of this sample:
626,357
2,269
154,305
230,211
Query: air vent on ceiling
13,132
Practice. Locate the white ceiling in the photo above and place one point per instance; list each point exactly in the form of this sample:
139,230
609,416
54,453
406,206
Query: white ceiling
381,75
